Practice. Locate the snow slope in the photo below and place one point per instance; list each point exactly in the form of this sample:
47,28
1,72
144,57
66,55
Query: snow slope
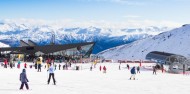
94,82
176,41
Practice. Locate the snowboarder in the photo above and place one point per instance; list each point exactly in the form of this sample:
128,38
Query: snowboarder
138,69
24,80
51,74
133,72
104,69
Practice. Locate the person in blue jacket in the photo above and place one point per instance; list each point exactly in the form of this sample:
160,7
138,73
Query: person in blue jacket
133,72
51,74
24,80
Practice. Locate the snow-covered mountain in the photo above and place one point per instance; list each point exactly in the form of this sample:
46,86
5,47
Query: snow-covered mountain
176,41
11,33
3,45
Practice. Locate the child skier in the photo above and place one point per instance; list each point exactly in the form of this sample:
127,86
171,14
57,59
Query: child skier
24,80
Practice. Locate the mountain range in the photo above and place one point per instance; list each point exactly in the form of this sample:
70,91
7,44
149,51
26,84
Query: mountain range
104,38
176,41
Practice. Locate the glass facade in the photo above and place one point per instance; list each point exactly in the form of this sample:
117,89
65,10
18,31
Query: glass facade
82,51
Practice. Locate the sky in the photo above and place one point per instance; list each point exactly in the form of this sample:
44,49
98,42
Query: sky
98,12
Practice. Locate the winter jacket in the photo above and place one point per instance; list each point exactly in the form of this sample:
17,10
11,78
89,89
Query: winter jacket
133,70
51,69
40,61
23,77
104,68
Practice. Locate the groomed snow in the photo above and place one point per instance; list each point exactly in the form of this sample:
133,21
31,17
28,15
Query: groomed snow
94,82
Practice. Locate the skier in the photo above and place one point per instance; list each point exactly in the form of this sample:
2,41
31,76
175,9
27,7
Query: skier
162,66
133,72
45,67
100,67
48,62
59,66
104,69
51,74
138,69
39,62
63,67
25,65
5,63
90,68
55,66
24,80
11,63
18,65
183,68
120,66
128,66
35,65
154,70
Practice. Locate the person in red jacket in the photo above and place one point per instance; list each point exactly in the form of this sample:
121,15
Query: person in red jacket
104,69
100,68
5,63
25,65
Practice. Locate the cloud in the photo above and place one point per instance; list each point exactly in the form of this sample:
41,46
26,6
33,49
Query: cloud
131,16
70,23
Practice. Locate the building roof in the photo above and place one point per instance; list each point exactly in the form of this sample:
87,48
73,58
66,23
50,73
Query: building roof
31,43
161,56
44,49
23,43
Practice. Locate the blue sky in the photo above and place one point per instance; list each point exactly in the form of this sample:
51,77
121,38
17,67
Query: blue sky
171,12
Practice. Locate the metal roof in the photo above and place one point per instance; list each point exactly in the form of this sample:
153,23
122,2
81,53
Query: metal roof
162,56
23,43
45,49
31,43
